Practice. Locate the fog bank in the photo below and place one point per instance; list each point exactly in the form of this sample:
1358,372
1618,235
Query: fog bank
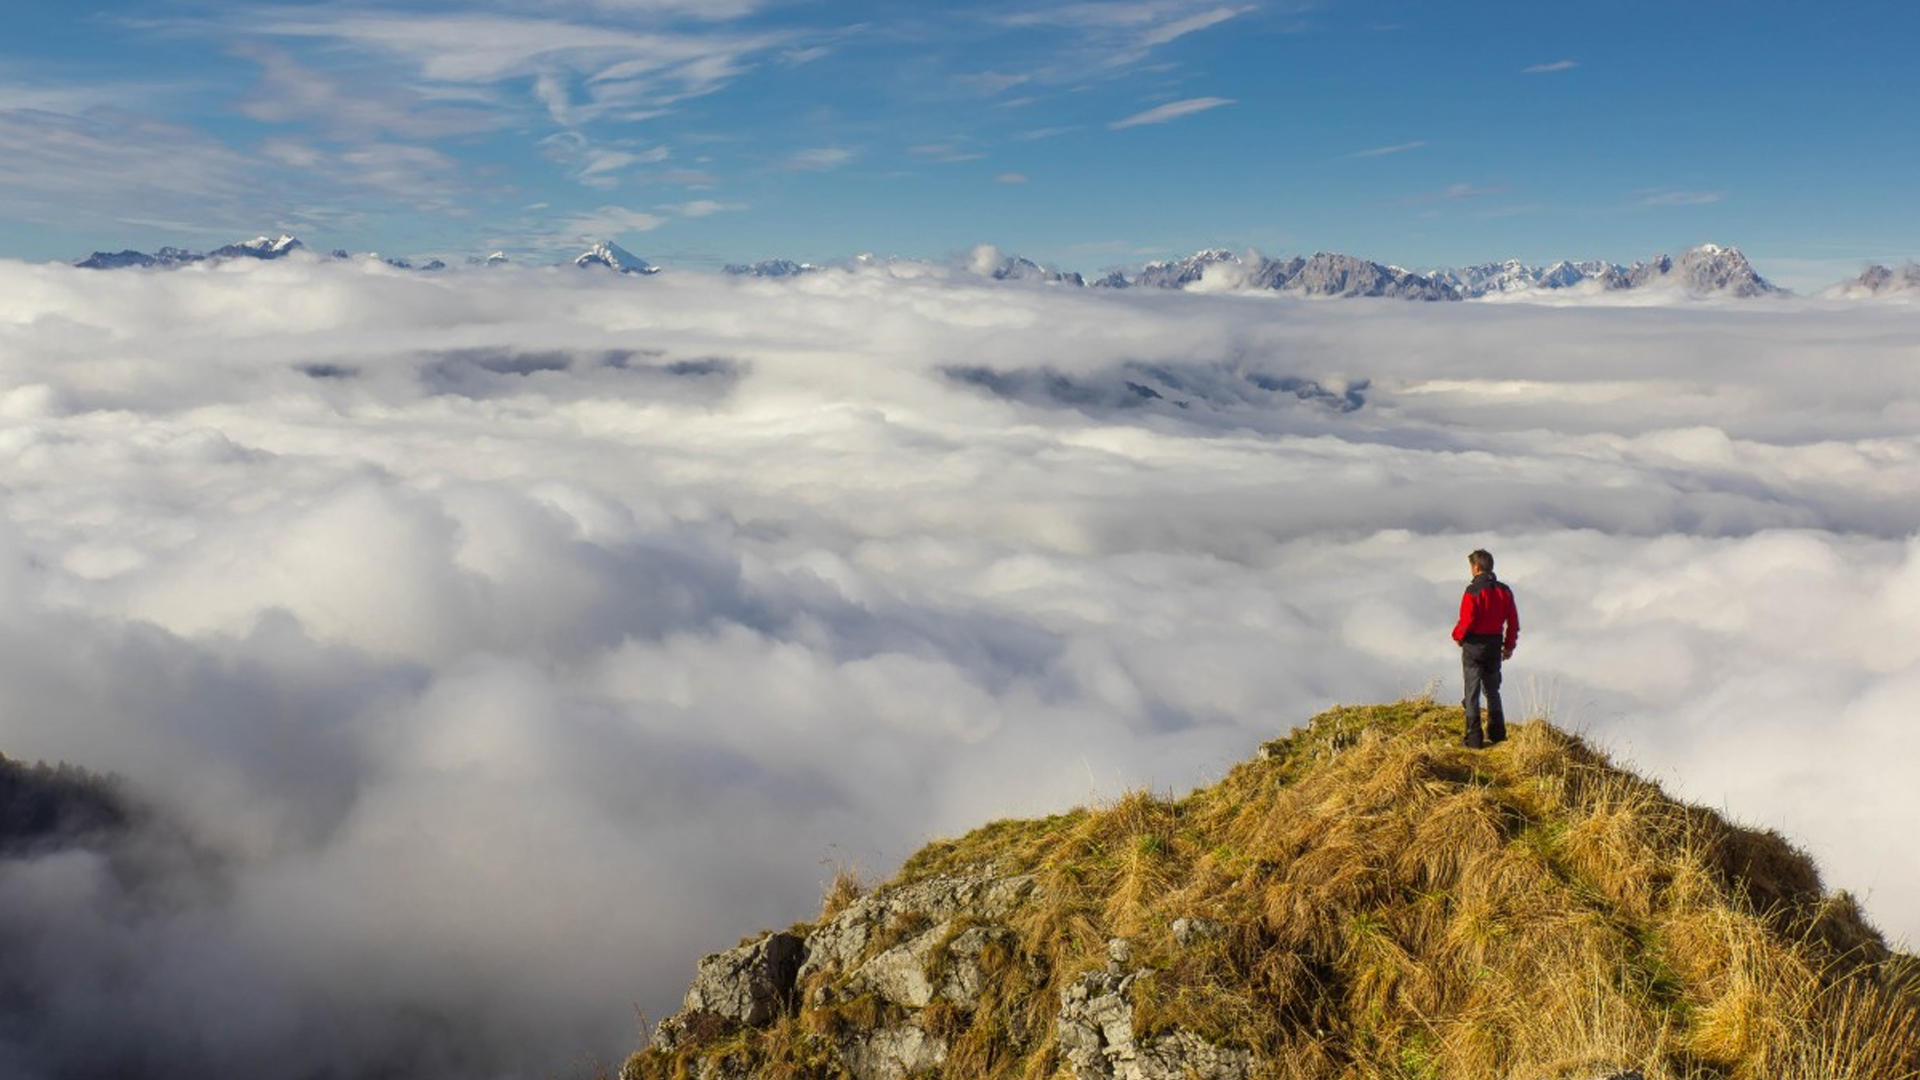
502,641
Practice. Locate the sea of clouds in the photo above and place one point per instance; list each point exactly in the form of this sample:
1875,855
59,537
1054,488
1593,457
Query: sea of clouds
495,643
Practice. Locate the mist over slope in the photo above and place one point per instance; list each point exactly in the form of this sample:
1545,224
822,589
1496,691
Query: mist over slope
511,636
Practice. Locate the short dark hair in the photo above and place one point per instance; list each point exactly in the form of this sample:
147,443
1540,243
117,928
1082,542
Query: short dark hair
1481,560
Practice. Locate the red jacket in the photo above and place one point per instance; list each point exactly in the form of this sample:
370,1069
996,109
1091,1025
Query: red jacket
1487,613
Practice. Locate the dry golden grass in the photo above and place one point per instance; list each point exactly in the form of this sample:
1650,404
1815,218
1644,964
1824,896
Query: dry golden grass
1392,906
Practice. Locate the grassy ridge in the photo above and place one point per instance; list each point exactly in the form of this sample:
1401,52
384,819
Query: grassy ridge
1370,900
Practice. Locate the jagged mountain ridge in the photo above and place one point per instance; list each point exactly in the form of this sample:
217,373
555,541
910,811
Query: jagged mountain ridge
1365,899
262,247
1708,270
1323,274
1878,281
1705,271
770,268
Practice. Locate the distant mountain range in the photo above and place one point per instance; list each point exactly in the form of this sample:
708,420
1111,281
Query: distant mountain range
1705,271
1708,270
258,248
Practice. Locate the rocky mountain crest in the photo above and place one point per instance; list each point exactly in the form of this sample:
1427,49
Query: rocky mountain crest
1708,270
1365,899
1879,281
262,247
1705,271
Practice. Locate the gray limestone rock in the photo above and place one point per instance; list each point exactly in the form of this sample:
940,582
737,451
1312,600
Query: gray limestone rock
840,943
1190,932
899,974
964,979
752,985
937,963
1096,1036
892,1053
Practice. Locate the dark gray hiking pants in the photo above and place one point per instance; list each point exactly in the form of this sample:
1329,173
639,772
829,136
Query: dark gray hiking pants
1480,663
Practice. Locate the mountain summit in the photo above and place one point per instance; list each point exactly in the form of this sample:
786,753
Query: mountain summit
1366,899
614,257
1708,270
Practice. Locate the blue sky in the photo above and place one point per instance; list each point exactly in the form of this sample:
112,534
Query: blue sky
1086,134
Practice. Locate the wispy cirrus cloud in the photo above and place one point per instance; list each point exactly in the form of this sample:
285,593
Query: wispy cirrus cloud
595,165
1173,110
1549,68
1452,193
702,10
1039,134
992,83
945,152
290,92
818,159
699,208
1179,28
102,167
1681,198
1117,35
608,221
583,70
1153,22
1388,151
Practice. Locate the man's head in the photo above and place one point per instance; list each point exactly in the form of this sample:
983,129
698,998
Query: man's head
1480,561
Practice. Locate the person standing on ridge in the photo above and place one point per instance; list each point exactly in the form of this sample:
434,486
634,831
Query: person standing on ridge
1488,629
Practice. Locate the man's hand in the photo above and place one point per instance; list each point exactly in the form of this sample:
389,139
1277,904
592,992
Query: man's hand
1506,652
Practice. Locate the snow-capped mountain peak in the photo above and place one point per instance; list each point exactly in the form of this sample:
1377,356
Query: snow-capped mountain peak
611,255
260,247
1707,270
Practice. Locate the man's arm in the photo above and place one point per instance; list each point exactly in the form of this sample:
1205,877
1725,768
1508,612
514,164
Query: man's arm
1466,618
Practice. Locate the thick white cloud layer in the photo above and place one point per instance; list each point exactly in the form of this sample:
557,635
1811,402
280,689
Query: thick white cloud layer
507,639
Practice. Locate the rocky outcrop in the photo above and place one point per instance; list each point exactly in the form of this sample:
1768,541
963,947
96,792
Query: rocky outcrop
894,953
903,960
1099,1041
840,944
892,1053
752,984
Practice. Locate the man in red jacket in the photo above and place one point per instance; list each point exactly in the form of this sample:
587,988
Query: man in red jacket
1488,629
